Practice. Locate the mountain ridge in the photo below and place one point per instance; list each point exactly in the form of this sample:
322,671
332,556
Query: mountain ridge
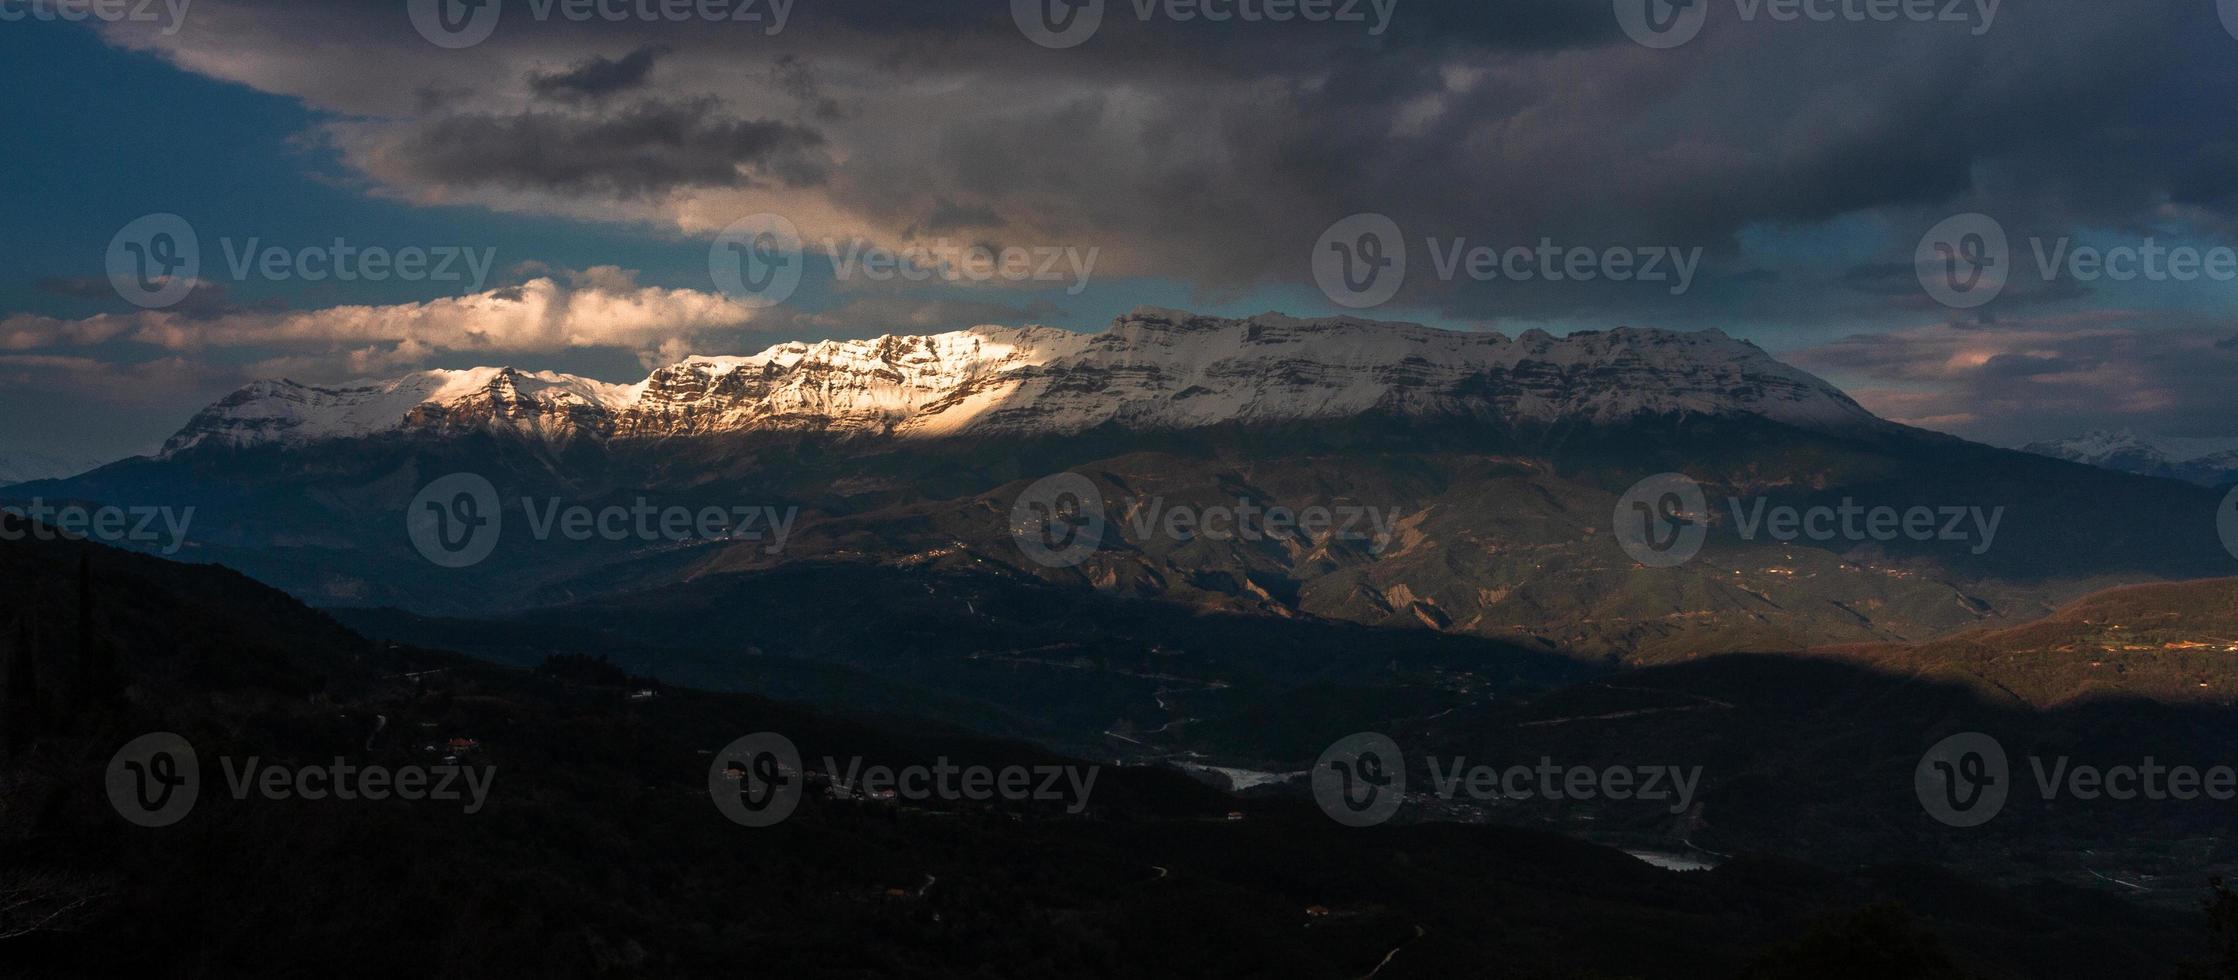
1154,369
2210,462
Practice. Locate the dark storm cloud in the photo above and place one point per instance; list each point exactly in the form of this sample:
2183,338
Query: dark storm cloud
948,216
599,77
797,78
1217,153
2018,382
647,148
1896,286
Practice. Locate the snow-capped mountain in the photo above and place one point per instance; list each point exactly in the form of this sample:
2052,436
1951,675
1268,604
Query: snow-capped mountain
1153,370
2211,462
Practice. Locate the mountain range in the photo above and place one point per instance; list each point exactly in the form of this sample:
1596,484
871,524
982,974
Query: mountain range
2209,462
1488,469
1490,609
1152,370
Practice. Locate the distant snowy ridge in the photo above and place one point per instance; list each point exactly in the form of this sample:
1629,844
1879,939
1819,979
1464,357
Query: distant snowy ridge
1153,370
2206,461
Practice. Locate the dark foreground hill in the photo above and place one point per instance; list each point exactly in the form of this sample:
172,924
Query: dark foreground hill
599,852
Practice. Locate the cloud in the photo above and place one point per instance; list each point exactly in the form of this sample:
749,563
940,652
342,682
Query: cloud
600,307
2048,378
599,77
646,149
1216,153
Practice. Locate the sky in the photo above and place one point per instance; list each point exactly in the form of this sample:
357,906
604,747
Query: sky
2008,222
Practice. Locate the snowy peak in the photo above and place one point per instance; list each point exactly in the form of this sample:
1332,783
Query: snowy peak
1153,369
2211,462
290,413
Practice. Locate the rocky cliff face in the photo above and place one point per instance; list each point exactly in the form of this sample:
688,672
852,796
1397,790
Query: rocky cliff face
1153,370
